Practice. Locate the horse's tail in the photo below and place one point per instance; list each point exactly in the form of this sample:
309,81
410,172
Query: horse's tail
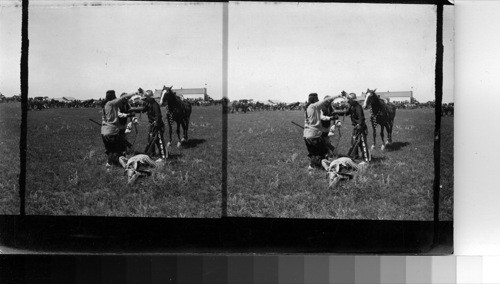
393,108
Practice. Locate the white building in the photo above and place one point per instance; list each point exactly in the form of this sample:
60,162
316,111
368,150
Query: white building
192,93
401,96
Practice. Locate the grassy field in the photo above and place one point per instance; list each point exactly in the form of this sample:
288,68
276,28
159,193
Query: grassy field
10,131
66,169
267,176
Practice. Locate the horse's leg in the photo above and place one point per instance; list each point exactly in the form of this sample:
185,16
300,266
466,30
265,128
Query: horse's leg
179,133
382,126
186,121
183,125
185,129
391,125
389,132
169,134
374,130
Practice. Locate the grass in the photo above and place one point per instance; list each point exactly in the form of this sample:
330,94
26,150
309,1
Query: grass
447,162
267,176
10,131
66,169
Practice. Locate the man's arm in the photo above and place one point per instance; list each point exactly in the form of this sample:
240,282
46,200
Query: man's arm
119,102
324,117
137,109
341,112
123,114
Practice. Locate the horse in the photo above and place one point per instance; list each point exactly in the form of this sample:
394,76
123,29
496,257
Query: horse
382,113
178,110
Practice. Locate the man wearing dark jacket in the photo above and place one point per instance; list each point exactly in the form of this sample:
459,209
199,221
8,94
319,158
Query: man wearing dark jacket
156,126
358,141
124,112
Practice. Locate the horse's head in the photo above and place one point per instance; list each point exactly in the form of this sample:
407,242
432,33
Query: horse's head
370,96
166,93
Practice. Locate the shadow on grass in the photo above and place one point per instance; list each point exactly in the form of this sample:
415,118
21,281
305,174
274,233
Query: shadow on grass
191,143
176,156
377,160
396,146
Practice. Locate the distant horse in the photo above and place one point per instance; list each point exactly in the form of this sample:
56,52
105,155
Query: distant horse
382,113
179,111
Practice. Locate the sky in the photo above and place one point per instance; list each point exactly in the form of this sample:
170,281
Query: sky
280,51
284,51
83,51
10,50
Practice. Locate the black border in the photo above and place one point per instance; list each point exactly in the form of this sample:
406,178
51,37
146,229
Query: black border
47,234
51,234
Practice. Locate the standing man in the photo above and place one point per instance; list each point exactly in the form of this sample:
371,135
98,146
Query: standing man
314,129
124,112
114,143
156,127
359,132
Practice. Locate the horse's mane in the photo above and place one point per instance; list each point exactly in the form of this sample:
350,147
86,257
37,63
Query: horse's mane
379,103
376,100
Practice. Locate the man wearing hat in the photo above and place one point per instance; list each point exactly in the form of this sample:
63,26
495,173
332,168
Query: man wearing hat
314,129
156,126
360,130
114,143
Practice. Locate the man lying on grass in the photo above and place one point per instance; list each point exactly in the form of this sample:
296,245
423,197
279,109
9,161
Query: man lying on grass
138,166
342,168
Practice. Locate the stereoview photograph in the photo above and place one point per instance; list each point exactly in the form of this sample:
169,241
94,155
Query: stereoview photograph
332,111
125,103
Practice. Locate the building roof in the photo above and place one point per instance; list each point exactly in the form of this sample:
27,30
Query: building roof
197,92
192,91
400,94
192,95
